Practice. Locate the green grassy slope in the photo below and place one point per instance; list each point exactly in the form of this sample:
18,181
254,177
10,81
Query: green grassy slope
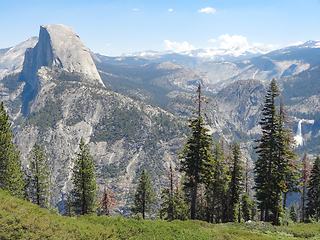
22,220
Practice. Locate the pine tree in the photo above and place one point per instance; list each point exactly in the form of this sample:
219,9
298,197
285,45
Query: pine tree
237,181
216,187
196,154
38,178
84,185
11,174
271,165
107,202
304,182
229,164
313,193
144,198
293,212
246,206
173,206
202,205
69,208
292,173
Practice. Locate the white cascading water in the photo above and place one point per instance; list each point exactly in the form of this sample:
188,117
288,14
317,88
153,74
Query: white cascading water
298,137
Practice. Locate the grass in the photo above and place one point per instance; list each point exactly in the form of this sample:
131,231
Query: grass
22,220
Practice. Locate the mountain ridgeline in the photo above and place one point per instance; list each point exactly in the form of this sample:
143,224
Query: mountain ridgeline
132,111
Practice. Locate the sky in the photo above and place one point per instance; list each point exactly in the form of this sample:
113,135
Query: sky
113,27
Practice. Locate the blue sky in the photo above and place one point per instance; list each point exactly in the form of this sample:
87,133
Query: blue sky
113,27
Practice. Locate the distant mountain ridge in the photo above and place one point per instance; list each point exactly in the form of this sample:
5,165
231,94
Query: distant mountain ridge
277,64
202,54
221,70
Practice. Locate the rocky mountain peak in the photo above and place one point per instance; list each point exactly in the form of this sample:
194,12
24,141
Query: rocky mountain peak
11,59
59,46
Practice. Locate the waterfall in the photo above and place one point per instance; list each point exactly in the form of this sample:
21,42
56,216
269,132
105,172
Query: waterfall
298,137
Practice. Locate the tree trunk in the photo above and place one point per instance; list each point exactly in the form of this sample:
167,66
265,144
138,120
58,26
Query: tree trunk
276,214
284,200
262,215
212,209
228,206
303,204
266,215
143,205
194,199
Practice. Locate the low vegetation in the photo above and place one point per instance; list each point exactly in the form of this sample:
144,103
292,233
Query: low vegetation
20,219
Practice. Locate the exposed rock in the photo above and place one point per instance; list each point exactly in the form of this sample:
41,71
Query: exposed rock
59,47
239,104
184,78
11,59
69,52
308,106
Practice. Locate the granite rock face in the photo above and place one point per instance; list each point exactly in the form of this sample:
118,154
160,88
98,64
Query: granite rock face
11,59
59,47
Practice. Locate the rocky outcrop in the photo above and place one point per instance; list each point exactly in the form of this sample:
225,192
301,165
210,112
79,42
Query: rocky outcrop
59,47
239,104
11,59
310,106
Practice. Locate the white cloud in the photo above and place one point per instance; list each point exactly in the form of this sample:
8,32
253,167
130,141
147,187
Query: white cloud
233,41
170,10
237,45
177,47
135,9
207,10
108,44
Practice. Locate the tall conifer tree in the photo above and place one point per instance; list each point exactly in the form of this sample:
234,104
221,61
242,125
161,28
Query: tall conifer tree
173,206
84,184
246,206
271,165
313,193
237,181
144,198
38,178
196,154
292,173
304,182
69,208
216,186
11,174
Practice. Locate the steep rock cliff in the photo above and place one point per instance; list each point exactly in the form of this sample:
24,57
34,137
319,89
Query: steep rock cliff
59,47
